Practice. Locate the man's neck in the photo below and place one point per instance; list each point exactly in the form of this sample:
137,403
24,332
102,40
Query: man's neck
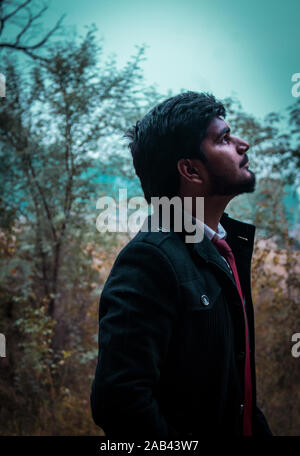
214,207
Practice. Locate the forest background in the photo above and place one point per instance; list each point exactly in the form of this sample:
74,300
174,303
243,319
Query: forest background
66,109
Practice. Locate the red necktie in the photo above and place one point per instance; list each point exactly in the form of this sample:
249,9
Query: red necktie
226,252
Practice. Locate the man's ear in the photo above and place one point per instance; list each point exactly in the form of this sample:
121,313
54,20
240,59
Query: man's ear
190,170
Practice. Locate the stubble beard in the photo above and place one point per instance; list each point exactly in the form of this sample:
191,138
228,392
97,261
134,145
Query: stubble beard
223,186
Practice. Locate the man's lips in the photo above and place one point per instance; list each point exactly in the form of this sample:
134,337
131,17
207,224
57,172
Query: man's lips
245,162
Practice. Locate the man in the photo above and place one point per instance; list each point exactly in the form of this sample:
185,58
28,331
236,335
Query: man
176,333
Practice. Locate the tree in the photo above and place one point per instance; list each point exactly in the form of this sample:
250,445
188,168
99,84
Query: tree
53,122
276,293
61,125
12,15
273,157
294,124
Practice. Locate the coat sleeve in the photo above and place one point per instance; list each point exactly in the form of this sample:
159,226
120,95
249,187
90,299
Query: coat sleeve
260,425
138,308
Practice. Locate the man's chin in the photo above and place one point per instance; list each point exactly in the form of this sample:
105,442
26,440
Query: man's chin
250,184
232,190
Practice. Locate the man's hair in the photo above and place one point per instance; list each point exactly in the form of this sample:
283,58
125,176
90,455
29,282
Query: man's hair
172,130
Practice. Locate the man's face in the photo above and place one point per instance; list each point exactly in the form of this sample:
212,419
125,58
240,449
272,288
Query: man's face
227,170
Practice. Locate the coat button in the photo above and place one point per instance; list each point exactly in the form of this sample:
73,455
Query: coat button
241,356
204,300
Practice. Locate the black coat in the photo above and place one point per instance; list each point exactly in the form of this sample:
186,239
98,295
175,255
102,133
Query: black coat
172,339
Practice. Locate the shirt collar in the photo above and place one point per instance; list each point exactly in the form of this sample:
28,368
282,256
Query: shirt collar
209,232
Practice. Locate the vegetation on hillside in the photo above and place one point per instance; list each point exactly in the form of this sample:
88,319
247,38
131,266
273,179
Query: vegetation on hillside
63,116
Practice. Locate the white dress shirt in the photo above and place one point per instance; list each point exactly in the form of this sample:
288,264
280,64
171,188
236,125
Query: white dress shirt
210,233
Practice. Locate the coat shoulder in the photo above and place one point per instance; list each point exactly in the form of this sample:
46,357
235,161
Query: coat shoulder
168,246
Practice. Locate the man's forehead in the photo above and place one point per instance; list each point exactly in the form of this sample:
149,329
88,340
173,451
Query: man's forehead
216,125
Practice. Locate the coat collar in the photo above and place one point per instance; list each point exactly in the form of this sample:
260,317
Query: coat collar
240,237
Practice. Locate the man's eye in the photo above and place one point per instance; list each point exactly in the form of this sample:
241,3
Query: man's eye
225,139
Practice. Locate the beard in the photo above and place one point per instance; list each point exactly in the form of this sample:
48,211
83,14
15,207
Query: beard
225,186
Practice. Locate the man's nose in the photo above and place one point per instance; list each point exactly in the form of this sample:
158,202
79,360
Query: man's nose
242,146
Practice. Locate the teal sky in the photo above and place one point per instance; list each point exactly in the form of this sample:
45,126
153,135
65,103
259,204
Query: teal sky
250,49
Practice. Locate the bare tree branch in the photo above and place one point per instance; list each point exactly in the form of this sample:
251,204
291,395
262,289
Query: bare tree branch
17,43
13,13
29,22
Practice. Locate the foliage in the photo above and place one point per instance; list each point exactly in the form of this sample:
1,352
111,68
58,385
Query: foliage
276,293
51,124
61,126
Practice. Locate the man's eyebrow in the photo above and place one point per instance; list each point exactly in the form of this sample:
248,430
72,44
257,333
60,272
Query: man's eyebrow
222,132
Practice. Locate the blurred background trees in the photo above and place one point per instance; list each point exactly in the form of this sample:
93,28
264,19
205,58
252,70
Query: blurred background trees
21,18
61,148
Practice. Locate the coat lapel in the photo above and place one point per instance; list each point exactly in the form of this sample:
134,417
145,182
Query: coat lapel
240,237
208,252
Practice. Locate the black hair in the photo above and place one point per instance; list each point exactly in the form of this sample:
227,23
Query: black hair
172,130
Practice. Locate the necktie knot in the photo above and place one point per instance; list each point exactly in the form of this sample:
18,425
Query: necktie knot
223,248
